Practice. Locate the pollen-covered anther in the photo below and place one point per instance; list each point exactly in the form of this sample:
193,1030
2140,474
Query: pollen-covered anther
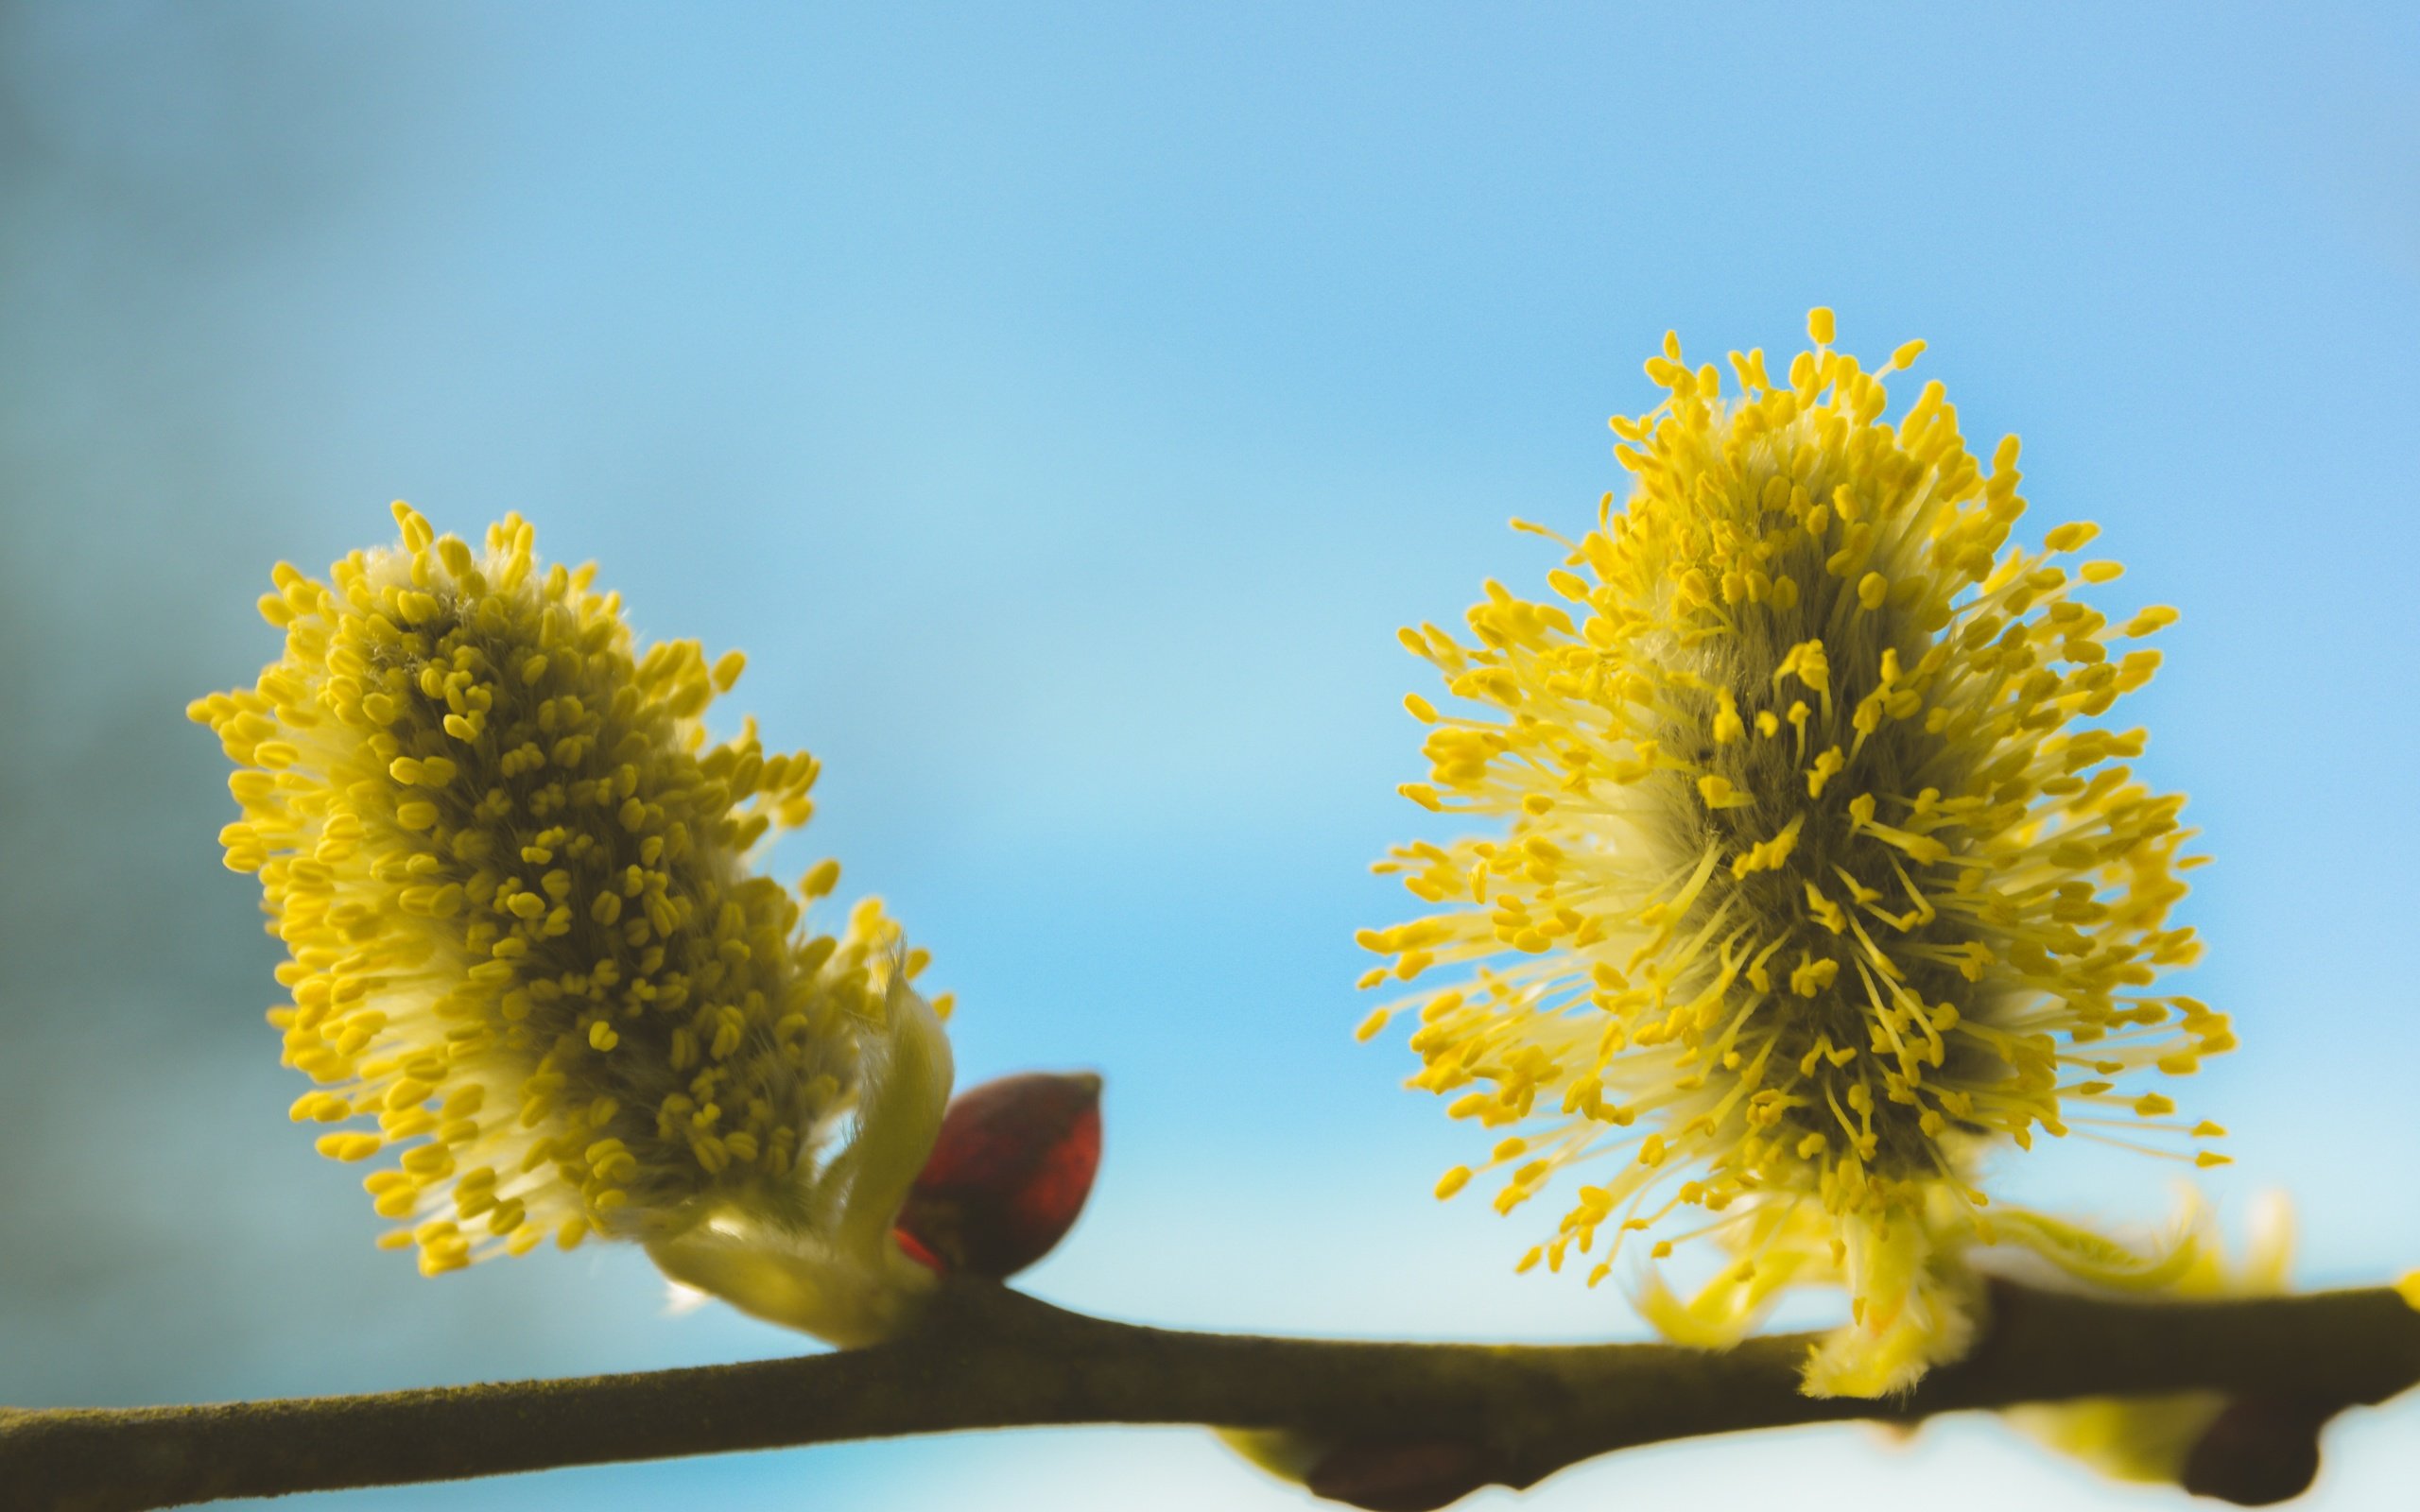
508,865
1811,855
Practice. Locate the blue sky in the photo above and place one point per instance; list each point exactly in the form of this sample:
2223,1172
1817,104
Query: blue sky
1063,405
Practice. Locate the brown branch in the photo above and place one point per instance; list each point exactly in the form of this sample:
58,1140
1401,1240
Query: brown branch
989,1358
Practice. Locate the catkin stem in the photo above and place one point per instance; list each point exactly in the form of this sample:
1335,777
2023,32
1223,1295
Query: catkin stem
989,1358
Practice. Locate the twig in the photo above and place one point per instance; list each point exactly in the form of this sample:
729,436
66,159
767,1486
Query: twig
991,1358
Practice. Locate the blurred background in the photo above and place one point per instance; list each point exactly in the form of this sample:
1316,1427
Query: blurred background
1063,405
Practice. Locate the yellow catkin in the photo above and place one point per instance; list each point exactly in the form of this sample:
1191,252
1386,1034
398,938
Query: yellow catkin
1812,863
508,865
2152,1438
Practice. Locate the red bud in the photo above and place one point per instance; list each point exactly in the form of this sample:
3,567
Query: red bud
2259,1452
1418,1477
1008,1175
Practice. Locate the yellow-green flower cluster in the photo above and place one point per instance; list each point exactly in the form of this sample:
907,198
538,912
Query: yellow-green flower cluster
2151,1438
528,957
1814,870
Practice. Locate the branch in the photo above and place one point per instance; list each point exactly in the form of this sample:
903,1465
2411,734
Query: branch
989,1358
